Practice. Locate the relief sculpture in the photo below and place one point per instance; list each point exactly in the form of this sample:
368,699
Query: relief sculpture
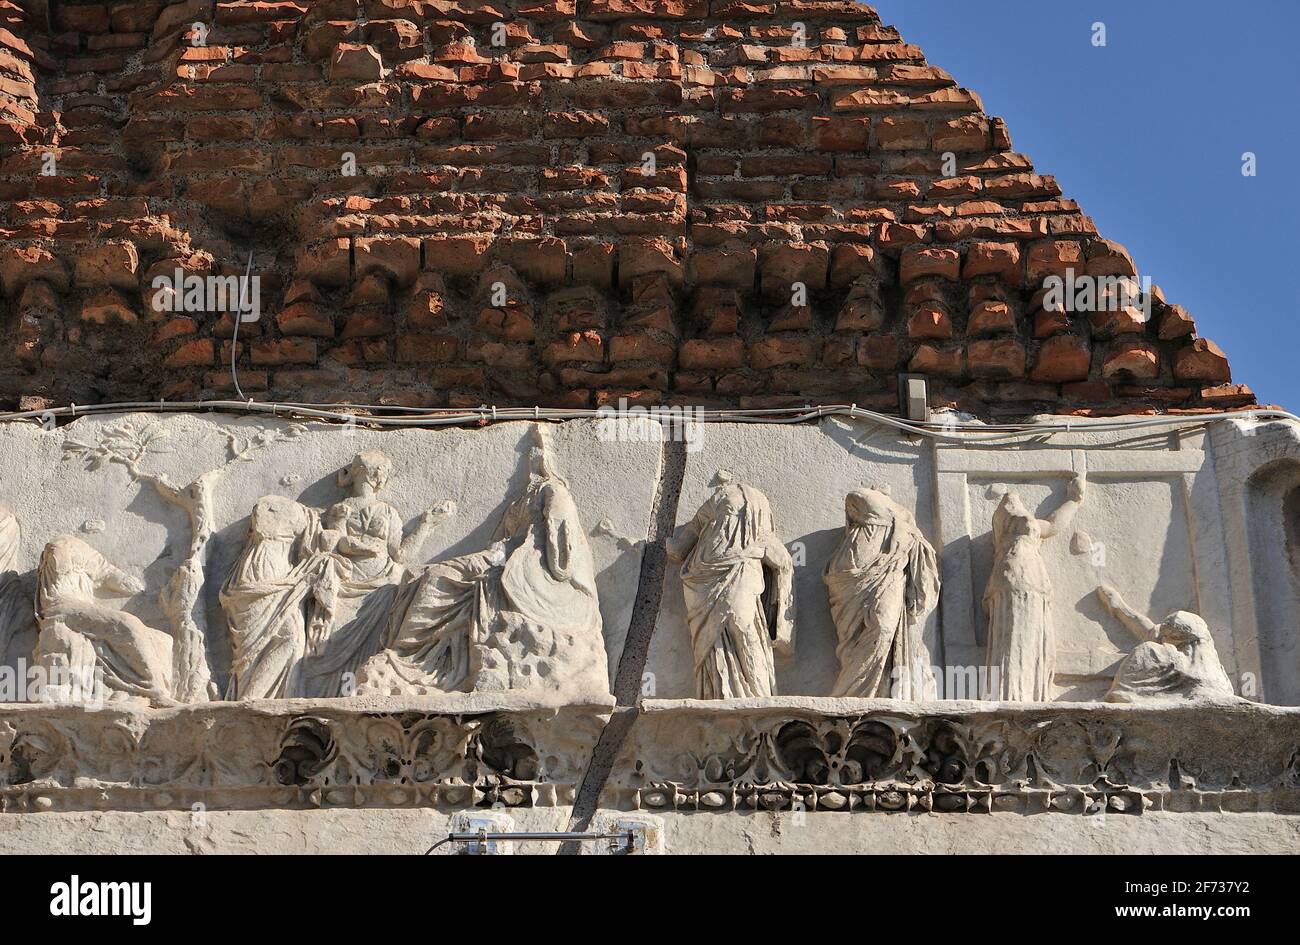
738,581
128,444
15,596
1176,659
82,637
520,615
310,597
1021,642
365,560
265,600
340,600
882,579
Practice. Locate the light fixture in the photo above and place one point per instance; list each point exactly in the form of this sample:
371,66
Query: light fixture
913,398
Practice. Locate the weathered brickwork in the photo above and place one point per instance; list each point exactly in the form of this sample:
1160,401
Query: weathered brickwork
561,202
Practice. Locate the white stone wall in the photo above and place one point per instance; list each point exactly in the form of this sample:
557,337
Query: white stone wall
1172,520
1206,520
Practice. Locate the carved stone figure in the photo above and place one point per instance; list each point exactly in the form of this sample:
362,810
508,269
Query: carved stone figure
521,615
265,600
355,593
882,579
1021,652
83,634
738,580
1176,659
129,443
15,598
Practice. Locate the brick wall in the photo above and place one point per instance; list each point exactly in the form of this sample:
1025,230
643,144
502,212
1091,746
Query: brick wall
561,202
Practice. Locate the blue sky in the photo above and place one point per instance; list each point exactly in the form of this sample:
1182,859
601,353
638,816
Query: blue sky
1147,134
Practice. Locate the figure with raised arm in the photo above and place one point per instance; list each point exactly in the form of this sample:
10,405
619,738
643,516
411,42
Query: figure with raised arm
1021,655
522,614
354,596
1176,659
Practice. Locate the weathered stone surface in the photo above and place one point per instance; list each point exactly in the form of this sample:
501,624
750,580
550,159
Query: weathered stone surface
620,203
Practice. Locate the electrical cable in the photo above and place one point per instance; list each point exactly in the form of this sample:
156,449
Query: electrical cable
378,415
234,334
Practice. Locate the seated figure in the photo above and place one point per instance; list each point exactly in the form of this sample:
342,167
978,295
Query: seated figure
520,615
1176,660
80,635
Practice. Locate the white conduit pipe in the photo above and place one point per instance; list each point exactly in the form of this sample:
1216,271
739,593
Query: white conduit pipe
391,416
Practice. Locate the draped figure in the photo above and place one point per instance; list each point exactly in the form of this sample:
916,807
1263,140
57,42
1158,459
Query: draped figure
882,579
1176,659
311,595
1021,655
80,635
265,599
366,561
15,598
522,614
738,581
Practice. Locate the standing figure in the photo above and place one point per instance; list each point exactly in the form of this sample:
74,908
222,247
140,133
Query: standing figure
1021,644
1176,659
521,615
355,593
80,635
882,579
738,580
15,599
265,600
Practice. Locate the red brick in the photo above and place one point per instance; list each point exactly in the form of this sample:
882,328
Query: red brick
712,354
395,256
305,318
772,352
284,351
785,264
1052,258
1061,359
996,358
327,263
1202,360
21,264
841,134
927,359
921,261
112,264
1131,358
195,353
990,317
638,346
423,348
107,305
1176,323
930,320
880,352
456,255
993,259
352,61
